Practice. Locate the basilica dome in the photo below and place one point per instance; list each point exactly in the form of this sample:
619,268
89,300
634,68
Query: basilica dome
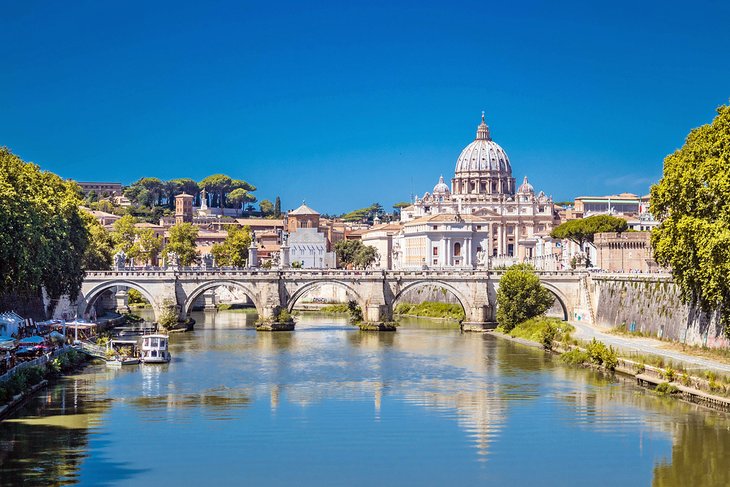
483,154
441,187
483,168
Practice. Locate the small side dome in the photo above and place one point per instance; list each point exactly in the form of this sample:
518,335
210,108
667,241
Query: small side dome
525,187
441,188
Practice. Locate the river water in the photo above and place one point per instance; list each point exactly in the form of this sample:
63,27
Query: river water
330,405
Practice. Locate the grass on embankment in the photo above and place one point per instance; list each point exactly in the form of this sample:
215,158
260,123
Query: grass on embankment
542,330
334,308
431,309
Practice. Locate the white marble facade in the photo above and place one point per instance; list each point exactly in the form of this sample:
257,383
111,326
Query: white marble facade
309,246
483,217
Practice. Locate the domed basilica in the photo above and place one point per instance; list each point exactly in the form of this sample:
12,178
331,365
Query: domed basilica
481,219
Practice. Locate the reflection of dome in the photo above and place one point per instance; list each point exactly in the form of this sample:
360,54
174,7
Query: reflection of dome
441,188
483,155
526,187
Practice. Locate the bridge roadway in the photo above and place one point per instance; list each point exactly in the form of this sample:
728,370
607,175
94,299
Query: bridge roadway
376,292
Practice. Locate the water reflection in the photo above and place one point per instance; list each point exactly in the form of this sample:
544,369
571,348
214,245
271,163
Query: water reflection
450,407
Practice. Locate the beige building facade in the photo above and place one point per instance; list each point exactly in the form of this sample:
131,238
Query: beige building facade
624,252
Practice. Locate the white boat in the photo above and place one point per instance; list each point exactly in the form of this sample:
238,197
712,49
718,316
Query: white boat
124,361
154,349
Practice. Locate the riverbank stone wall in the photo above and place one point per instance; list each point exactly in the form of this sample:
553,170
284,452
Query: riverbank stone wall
652,305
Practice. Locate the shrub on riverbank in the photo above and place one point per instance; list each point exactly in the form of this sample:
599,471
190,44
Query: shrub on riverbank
542,330
596,353
431,309
521,296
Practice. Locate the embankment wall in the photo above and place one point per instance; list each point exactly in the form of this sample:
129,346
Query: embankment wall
652,305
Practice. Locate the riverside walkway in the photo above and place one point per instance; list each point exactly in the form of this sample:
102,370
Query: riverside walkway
647,346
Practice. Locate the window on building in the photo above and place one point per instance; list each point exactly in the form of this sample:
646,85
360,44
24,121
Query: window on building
435,227
457,249
435,251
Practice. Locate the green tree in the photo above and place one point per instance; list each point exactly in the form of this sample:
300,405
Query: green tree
266,207
364,214
365,256
43,233
182,241
217,185
233,251
124,233
692,201
353,253
146,192
520,296
98,254
146,247
277,207
174,187
583,230
240,197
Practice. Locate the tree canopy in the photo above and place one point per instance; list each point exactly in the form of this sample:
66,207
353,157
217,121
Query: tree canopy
182,241
520,296
124,233
692,201
99,252
353,253
582,230
266,207
233,251
43,232
364,214
146,246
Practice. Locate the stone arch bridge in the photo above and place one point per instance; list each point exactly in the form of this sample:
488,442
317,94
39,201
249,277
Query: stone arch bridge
375,291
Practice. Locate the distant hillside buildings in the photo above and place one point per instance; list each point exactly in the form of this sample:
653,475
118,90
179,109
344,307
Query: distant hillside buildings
482,220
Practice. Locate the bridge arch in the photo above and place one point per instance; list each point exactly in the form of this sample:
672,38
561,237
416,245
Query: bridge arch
195,294
559,298
308,286
460,297
89,298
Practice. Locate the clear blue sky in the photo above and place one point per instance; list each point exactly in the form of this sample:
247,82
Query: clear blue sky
347,103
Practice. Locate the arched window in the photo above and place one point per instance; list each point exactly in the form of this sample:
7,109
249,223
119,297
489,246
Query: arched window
457,249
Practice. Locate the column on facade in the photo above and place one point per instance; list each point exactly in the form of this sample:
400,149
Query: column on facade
517,240
500,239
447,253
467,253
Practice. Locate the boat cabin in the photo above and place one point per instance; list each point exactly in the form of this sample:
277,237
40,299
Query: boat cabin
154,349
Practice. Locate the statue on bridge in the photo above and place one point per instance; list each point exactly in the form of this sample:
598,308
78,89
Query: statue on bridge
120,260
172,260
207,261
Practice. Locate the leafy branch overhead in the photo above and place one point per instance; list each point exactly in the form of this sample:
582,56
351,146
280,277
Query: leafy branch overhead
692,200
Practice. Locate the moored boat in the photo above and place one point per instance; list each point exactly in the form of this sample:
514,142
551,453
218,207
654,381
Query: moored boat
123,361
154,349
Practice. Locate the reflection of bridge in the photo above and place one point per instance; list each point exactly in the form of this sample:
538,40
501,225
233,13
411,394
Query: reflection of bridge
375,291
